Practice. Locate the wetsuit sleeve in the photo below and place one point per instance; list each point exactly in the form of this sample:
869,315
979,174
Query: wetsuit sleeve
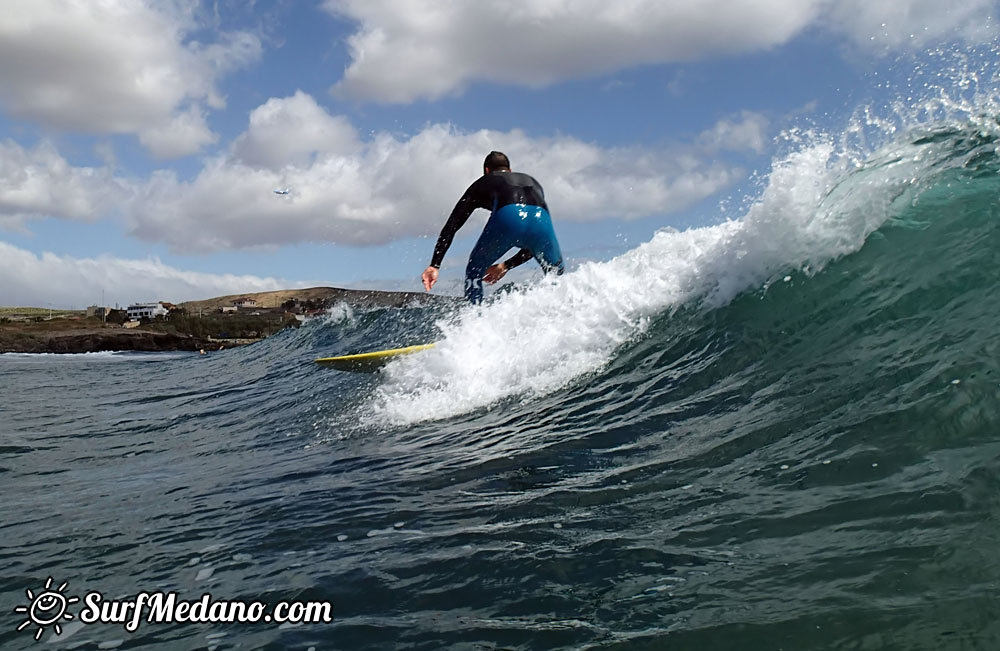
518,259
459,215
472,199
457,220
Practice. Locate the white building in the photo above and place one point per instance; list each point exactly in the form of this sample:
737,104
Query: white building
138,311
245,303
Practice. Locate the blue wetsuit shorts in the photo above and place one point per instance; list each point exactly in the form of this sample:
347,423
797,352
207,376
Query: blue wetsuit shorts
520,226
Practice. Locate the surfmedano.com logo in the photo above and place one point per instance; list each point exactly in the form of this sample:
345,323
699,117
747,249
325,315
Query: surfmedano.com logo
47,608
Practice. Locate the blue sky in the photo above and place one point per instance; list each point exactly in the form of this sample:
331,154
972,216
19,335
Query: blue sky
140,141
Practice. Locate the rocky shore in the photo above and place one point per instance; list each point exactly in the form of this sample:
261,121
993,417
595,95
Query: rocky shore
97,340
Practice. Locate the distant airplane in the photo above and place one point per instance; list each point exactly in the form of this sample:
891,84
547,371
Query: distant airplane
283,191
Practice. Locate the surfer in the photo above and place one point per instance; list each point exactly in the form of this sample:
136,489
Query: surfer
519,218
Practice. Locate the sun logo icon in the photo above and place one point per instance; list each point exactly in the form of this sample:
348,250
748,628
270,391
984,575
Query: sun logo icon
47,608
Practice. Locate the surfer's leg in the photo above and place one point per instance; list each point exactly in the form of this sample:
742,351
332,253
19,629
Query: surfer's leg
543,243
497,239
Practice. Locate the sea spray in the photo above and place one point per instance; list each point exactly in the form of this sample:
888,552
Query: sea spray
339,314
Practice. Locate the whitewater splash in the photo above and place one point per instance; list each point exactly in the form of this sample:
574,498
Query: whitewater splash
821,202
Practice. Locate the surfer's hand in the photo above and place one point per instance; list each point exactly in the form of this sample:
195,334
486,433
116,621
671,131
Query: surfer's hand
495,273
430,276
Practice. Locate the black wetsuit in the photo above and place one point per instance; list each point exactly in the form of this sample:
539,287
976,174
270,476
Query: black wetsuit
519,218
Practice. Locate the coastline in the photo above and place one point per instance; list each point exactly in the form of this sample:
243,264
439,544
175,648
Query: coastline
70,332
93,340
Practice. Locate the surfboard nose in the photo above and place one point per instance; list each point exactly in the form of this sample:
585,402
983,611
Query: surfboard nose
368,362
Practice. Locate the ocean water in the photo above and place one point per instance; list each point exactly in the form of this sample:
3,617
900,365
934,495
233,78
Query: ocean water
777,432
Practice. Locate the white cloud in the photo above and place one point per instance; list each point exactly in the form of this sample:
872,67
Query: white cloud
290,131
115,66
748,132
886,25
354,192
365,193
432,48
233,51
64,281
38,182
427,49
185,133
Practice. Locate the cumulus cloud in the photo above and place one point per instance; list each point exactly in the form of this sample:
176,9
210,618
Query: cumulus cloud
183,134
748,132
290,131
891,25
389,187
38,182
355,192
431,48
427,49
65,281
118,66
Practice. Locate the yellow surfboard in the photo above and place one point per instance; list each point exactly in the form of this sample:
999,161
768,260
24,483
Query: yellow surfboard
368,362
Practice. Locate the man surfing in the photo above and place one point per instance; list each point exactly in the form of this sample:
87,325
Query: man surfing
519,218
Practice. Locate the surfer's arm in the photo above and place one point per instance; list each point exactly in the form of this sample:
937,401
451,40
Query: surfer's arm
497,271
517,259
459,215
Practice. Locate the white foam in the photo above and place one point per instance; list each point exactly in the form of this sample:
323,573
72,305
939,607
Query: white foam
815,208
339,313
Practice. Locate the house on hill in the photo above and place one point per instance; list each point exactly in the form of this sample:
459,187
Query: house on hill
245,303
138,311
